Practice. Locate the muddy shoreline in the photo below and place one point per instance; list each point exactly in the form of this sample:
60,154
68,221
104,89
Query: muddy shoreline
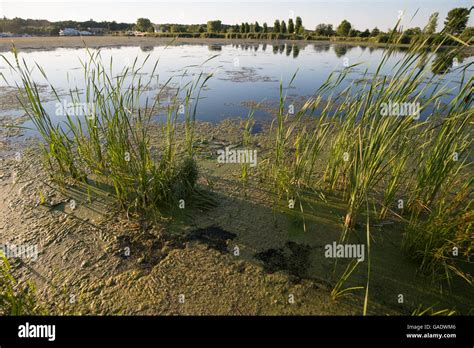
82,250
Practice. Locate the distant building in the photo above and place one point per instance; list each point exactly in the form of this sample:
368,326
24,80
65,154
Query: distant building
69,32
73,32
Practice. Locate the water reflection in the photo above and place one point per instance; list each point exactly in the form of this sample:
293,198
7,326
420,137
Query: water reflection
214,47
296,51
147,48
255,76
289,49
446,61
341,50
321,48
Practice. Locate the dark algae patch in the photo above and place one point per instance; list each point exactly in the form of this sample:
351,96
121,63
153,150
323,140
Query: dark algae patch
292,258
214,236
146,250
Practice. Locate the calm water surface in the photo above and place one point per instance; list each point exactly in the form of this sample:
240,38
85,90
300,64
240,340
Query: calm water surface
243,74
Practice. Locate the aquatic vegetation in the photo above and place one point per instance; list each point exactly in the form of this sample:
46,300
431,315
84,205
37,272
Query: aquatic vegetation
107,138
16,298
442,243
246,142
419,311
299,139
337,291
410,164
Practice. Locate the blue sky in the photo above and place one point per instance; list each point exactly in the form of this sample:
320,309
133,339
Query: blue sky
361,13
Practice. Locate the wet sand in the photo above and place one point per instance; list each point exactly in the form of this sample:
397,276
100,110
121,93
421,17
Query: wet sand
82,249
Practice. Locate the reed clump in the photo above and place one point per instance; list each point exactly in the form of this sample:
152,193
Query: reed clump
394,145
107,139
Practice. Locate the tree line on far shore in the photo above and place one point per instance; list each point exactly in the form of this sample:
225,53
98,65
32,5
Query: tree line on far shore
455,24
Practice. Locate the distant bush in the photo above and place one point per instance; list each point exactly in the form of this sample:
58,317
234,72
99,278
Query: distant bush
349,39
318,38
383,38
405,39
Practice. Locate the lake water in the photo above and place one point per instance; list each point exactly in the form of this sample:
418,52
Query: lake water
243,74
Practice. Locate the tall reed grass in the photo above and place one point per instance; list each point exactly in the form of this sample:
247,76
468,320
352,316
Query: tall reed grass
415,169
17,298
109,140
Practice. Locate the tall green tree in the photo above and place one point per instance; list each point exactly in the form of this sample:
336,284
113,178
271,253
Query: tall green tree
324,30
143,24
247,27
365,33
276,26
257,27
329,30
265,27
456,20
214,26
291,26
375,32
320,29
242,28
344,28
354,32
430,28
283,27
113,26
298,25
